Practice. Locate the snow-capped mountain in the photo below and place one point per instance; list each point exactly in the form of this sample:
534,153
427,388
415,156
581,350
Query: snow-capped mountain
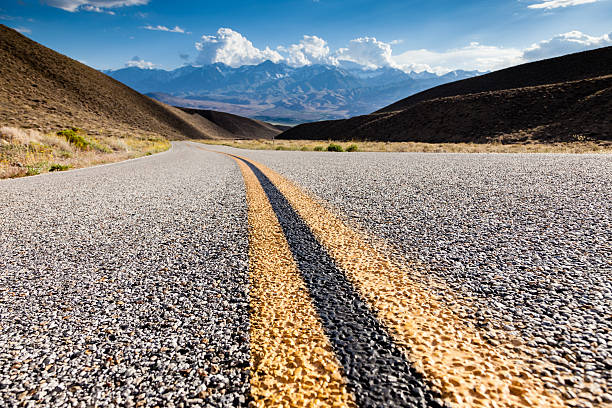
280,93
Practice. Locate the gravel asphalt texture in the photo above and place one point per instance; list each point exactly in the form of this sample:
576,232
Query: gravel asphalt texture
126,284
524,241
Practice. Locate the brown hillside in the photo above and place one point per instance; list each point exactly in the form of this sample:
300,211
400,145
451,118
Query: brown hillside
572,67
237,126
579,109
42,89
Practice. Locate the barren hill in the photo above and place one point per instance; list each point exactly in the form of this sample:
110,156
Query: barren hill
42,89
572,67
237,126
561,99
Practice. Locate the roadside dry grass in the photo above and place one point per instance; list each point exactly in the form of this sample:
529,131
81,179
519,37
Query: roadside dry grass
317,145
26,152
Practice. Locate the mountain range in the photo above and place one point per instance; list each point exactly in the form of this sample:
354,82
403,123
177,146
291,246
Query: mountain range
280,93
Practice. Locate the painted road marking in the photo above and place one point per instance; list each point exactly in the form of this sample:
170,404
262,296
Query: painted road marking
376,376
452,355
292,362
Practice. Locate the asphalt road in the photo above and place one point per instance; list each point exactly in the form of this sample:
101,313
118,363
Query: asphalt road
197,278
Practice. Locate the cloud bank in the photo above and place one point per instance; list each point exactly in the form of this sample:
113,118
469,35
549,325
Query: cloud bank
566,43
474,56
232,48
93,5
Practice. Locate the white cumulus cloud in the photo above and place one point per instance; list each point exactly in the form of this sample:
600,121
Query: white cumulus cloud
176,29
140,63
231,48
369,52
92,5
472,57
310,50
553,4
567,43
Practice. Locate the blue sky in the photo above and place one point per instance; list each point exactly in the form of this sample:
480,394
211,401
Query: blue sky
437,35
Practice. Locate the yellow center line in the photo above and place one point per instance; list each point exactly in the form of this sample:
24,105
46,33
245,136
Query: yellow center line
292,362
454,357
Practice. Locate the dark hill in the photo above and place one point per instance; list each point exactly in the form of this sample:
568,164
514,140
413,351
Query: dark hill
237,126
42,89
572,67
560,99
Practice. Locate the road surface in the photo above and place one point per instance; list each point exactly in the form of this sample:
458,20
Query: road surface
211,276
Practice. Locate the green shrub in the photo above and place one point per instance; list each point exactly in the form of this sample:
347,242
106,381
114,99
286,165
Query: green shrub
281,148
304,148
318,148
334,148
34,169
58,167
73,137
352,148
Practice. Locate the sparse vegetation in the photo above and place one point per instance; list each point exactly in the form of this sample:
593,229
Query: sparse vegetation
76,137
333,147
352,148
59,167
34,169
73,137
27,152
529,147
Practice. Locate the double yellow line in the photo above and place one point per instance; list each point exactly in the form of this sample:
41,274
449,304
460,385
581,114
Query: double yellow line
292,360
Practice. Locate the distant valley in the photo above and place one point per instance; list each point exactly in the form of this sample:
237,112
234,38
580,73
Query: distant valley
278,93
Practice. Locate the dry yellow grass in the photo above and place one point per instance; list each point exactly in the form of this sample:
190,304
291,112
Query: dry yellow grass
307,145
26,152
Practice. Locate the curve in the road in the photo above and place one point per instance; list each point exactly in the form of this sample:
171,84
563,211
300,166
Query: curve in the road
134,284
